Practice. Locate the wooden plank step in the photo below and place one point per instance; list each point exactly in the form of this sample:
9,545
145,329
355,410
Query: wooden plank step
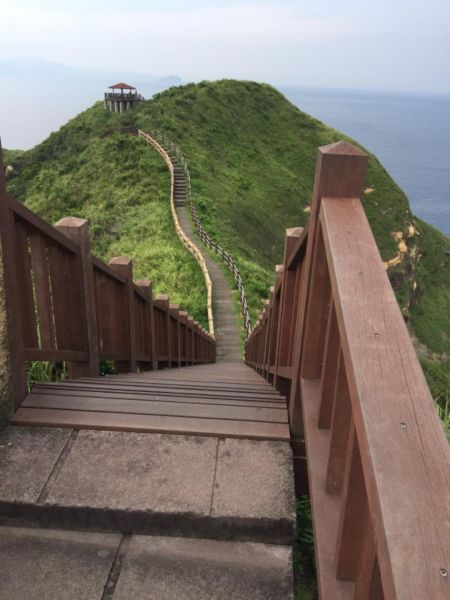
124,395
150,407
151,423
142,380
168,390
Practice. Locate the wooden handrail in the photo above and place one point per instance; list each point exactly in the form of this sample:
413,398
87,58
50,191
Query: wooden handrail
185,240
64,304
161,142
333,339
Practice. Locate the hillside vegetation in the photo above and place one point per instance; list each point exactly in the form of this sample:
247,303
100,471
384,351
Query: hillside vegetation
89,168
251,155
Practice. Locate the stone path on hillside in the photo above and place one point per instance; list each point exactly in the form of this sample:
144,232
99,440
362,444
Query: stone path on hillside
226,325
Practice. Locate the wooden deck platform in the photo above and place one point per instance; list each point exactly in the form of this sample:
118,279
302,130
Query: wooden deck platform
223,399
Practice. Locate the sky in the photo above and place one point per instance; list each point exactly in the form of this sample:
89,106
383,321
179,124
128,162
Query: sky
390,45
401,45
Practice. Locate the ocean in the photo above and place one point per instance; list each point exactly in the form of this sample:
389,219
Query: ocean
409,134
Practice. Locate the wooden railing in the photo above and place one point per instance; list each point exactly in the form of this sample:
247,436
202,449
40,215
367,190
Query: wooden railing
163,141
332,338
185,240
64,304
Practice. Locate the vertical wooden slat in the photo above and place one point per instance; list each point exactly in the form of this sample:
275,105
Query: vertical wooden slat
286,303
191,339
329,370
153,329
275,321
76,321
56,264
269,322
368,584
296,324
354,521
314,331
25,298
124,266
41,281
340,429
315,327
182,316
79,277
176,341
163,303
143,325
196,348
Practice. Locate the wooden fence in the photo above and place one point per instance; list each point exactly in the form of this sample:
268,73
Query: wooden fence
332,338
185,240
63,304
163,142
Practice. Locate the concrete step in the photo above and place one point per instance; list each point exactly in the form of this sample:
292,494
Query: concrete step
156,484
41,564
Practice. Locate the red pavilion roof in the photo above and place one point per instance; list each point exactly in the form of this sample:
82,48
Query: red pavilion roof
121,86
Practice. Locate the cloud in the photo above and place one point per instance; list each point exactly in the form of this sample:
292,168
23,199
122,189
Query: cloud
305,41
242,21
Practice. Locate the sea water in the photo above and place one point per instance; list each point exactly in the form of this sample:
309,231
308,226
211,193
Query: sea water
409,134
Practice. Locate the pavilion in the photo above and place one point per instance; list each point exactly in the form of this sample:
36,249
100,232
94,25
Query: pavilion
122,97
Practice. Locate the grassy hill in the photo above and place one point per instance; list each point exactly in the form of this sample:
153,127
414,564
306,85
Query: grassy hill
90,169
251,155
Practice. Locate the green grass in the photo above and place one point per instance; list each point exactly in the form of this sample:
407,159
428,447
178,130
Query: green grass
431,316
304,562
90,169
251,156
12,156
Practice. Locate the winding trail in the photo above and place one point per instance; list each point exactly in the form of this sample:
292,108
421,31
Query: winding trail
226,326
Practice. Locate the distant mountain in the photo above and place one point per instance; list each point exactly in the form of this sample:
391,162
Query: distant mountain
38,96
41,69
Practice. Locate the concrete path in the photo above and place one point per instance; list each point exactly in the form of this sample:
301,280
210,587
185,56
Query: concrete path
225,321
39,564
161,516
147,483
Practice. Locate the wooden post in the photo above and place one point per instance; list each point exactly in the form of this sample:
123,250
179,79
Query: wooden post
195,342
287,311
340,173
184,335
145,286
17,365
176,352
191,339
77,230
124,266
164,303
153,329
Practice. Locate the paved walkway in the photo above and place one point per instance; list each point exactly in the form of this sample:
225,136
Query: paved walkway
205,518
226,325
115,502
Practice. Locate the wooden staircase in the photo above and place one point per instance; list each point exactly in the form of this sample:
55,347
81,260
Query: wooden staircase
331,340
179,191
